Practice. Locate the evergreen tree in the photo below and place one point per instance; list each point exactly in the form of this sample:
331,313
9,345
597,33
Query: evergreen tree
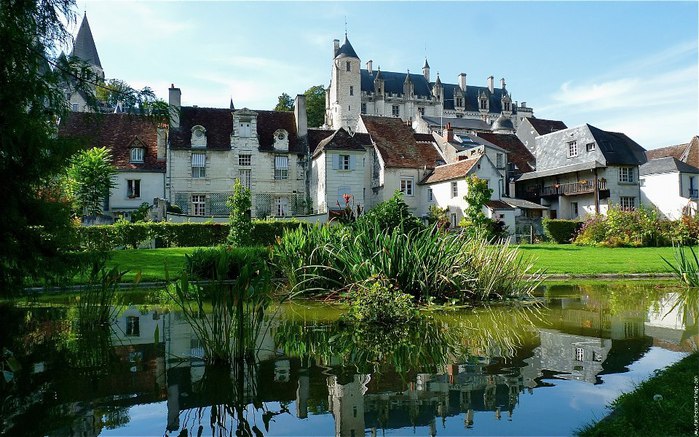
90,178
240,233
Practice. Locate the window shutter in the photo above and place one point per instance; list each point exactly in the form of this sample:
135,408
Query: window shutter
336,162
281,162
353,162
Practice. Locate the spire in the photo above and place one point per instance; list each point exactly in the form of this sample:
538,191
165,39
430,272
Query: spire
346,50
84,45
407,78
232,106
426,64
438,81
378,74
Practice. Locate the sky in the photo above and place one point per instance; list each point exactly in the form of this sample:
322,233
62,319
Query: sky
629,67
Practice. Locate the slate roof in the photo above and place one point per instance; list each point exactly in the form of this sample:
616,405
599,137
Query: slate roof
84,45
687,152
458,123
517,151
342,140
423,138
668,164
448,172
617,148
117,132
521,203
218,123
346,50
393,83
561,170
543,126
397,145
498,204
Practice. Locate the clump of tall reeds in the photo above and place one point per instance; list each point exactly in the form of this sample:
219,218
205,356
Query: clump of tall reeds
96,301
685,268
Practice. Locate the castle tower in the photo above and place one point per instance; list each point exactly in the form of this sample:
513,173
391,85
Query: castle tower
84,48
345,92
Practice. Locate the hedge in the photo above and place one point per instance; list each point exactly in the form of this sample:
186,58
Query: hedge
109,237
561,231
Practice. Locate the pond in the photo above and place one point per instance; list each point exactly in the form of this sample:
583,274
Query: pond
499,370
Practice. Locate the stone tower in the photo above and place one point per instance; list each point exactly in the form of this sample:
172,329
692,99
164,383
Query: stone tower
344,95
84,48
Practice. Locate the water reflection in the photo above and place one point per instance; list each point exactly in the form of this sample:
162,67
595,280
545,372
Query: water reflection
453,367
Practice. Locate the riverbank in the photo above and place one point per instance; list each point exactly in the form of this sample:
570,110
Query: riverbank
666,404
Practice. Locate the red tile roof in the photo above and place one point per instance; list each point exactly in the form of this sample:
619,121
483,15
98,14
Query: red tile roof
117,132
687,152
447,172
517,151
396,143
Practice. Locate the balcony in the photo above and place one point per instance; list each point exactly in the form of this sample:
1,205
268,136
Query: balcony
573,188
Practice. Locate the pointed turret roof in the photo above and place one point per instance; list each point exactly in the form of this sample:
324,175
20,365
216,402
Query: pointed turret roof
232,107
84,46
438,81
426,64
346,50
378,74
407,78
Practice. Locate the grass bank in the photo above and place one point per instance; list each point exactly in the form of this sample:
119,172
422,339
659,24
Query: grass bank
662,405
152,263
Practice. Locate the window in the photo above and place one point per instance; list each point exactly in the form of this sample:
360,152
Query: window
281,167
344,162
693,187
626,174
574,208
133,188
499,160
396,111
198,204
198,165
244,129
452,220
348,66
421,110
245,177
363,108
507,106
406,186
137,154
245,160
590,147
627,203
351,90
133,328
454,190
484,104
430,195
459,101
579,354
281,206
572,149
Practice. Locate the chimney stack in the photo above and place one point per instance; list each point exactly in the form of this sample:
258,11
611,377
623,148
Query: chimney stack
462,81
369,65
300,116
175,103
336,47
491,85
448,133
502,83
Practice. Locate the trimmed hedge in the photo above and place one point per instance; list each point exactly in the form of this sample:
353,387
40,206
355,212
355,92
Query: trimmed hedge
131,235
561,231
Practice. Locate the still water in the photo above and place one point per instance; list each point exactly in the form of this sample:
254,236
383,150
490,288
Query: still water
503,370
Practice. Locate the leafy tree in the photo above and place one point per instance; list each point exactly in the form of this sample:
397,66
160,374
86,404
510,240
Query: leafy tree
390,214
240,202
35,221
438,216
142,101
477,196
315,105
90,178
285,103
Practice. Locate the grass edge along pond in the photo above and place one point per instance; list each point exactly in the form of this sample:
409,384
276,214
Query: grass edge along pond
665,404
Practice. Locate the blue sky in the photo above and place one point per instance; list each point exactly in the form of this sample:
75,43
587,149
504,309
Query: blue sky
622,66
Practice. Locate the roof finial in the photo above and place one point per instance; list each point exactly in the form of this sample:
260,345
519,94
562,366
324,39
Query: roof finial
345,26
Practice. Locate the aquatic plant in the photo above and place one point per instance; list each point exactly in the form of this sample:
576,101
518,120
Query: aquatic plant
685,268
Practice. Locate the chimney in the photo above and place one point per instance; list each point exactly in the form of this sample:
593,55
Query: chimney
448,133
336,47
502,83
161,142
369,65
175,103
462,81
300,116
491,85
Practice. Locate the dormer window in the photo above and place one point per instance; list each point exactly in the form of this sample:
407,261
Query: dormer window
245,129
137,154
281,140
198,136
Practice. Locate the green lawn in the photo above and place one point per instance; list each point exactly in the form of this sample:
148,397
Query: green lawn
582,260
152,263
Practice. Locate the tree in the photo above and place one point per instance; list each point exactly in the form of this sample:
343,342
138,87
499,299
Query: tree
477,196
90,178
285,103
116,91
240,233
35,222
315,105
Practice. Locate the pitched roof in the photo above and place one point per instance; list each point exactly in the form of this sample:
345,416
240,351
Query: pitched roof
498,204
617,148
518,152
561,170
117,132
346,50
458,123
423,138
521,203
667,164
218,123
455,170
342,140
397,145
687,152
543,126
84,46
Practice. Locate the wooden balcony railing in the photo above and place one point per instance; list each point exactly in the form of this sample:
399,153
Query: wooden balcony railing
573,188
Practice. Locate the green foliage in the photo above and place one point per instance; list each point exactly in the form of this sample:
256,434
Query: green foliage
315,105
379,302
240,233
34,212
477,196
685,268
390,214
90,178
132,101
438,216
142,213
284,103
561,231
225,262
175,209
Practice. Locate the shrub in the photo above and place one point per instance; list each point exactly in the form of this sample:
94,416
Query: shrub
240,231
640,227
266,232
391,214
225,262
561,231
377,301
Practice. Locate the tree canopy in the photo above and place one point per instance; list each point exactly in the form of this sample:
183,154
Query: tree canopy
285,103
90,178
315,105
